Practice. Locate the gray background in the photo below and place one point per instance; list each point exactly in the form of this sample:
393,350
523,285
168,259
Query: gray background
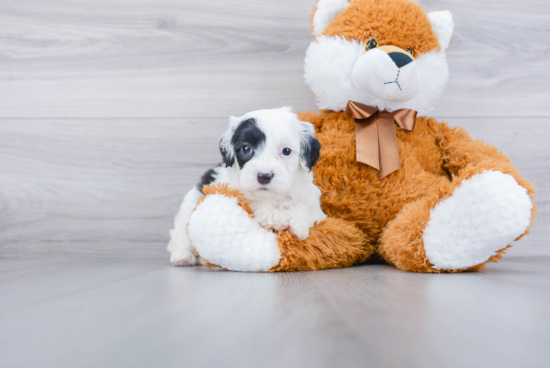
111,110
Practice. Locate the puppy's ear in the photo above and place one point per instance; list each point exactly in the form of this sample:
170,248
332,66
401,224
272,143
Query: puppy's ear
309,146
226,147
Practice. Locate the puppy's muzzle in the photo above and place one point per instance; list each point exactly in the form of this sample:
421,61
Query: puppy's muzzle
264,178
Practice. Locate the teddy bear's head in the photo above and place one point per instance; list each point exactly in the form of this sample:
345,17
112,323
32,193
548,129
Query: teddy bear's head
384,53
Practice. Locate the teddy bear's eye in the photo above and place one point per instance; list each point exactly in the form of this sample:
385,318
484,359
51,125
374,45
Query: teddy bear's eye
372,44
410,51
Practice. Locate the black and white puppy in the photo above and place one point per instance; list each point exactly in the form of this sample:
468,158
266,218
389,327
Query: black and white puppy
268,156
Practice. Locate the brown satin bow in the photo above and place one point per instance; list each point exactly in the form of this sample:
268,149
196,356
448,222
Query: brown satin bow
376,138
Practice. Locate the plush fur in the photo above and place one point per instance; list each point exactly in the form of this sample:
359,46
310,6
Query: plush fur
250,248
395,211
337,80
331,244
455,204
484,205
339,67
326,12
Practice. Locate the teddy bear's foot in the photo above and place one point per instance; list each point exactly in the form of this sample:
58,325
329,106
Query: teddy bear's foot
484,215
224,234
462,232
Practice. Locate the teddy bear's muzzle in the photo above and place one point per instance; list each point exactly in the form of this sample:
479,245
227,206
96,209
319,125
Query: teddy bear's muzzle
389,73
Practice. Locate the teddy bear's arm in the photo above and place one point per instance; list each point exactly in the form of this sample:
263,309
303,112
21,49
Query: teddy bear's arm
332,243
225,234
464,157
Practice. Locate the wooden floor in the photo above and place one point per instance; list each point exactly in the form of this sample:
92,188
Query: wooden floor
142,313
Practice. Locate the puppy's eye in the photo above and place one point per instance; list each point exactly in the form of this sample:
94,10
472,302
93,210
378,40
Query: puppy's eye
286,151
247,150
372,44
410,51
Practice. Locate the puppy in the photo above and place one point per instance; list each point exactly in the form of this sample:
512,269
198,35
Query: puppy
268,156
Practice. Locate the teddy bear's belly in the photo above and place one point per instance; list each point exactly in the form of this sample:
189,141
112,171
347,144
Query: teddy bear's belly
355,192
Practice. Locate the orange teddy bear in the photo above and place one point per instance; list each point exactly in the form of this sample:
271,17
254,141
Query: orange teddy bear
407,190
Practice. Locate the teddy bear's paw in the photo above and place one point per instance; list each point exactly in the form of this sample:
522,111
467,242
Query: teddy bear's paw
484,215
225,235
182,258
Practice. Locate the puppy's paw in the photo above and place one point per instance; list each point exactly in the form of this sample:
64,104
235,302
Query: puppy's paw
272,219
298,228
184,257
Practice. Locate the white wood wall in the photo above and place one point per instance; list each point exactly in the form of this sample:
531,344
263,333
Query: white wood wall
111,109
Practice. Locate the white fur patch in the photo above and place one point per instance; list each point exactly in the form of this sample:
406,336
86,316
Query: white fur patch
443,27
484,215
327,11
329,67
225,235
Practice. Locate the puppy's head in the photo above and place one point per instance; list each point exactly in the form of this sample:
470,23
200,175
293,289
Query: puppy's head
269,148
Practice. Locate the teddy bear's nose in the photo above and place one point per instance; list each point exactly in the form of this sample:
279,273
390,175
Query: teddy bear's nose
400,59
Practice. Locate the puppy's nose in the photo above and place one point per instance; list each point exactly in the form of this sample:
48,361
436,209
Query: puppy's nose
400,59
264,178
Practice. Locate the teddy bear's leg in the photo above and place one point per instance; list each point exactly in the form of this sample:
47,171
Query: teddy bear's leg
462,230
466,159
225,234
469,220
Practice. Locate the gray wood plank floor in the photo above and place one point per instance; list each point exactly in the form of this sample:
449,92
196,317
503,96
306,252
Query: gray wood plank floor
143,313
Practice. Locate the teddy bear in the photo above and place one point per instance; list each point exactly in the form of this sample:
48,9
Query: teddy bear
397,187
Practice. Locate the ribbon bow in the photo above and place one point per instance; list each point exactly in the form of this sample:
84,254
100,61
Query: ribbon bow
376,138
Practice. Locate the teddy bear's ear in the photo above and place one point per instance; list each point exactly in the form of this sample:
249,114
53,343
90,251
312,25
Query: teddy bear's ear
327,11
443,26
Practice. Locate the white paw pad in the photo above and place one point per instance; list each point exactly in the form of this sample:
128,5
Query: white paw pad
298,228
224,234
484,214
183,258
272,219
